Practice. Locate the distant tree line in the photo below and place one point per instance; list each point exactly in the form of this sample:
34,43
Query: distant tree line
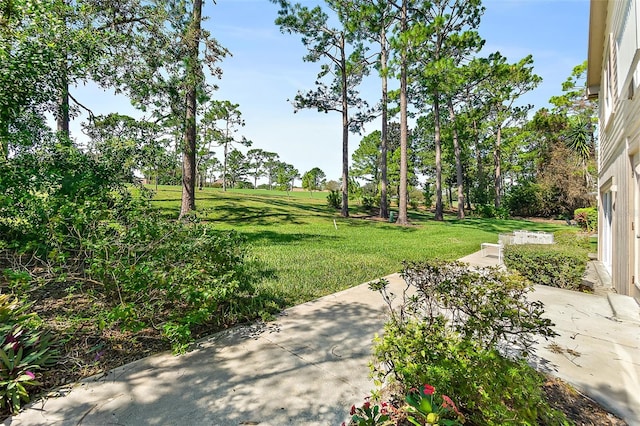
471,133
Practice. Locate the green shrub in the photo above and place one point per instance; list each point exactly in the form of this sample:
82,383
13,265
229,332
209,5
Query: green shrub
370,202
53,196
23,352
586,218
334,199
428,194
524,200
416,197
243,184
552,265
179,275
490,211
454,334
571,238
70,219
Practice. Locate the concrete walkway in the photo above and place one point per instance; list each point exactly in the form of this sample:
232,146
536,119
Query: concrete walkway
310,365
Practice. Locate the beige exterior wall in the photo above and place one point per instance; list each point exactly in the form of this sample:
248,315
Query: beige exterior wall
619,141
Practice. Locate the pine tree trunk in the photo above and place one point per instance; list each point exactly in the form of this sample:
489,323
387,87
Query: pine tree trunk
497,183
436,119
404,132
189,154
384,206
345,135
457,154
224,164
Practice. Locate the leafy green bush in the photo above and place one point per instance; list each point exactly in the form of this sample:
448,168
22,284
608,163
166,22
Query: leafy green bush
54,195
23,352
63,211
334,199
586,218
490,211
571,238
524,200
243,184
370,202
428,194
455,334
552,265
179,275
416,197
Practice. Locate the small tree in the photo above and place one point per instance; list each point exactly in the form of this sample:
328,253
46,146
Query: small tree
256,159
313,180
271,163
237,167
231,117
285,175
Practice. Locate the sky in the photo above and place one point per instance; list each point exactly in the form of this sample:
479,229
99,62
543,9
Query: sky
266,69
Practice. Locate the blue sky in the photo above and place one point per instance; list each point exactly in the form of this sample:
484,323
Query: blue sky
266,69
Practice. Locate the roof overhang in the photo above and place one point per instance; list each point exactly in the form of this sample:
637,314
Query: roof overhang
597,27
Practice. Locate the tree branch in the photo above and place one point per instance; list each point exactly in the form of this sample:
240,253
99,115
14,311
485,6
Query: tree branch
91,115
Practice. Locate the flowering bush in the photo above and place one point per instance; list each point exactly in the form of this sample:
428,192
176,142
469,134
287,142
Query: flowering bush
425,408
467,333
586,218
370,414
23,350
422,407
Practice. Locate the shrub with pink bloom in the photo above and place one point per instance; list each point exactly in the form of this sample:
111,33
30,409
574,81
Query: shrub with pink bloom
424,407
370,414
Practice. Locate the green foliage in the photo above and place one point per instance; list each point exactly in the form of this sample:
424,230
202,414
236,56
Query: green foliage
23,351
15,280
451,334
427,194
313,179
424,407
54,195
586,218
552,265
571,238
334,199
82,223
490,211
369,414
183,275
369,202
243,184
416,197
524,200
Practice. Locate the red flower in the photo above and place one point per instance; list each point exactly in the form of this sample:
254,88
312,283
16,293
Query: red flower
428,390
353,410
366,405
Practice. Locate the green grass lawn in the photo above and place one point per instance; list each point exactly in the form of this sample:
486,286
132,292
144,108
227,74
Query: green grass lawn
306,256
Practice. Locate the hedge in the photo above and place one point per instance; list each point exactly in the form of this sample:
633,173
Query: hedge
551,265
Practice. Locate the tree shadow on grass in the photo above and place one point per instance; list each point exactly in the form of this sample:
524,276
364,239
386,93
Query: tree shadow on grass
503,226
282,237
